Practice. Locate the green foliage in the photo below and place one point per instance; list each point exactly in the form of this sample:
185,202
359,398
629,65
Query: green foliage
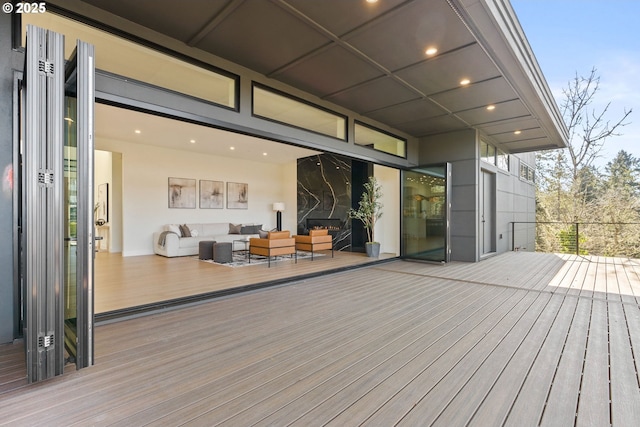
370,208
568,244
571,189
607,206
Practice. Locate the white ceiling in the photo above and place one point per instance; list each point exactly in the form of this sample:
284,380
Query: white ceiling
112,123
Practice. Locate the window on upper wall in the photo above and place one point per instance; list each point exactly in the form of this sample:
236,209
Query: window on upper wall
135,61
487,153
368,136
527,173
502,160
277,106
493,155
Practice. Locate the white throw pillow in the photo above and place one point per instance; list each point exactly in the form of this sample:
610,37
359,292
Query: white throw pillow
174,229
194,232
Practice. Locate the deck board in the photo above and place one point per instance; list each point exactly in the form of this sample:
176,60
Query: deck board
362,398
625,389
442,401
632,269
357,359
589,283
470,393
504,391
593,406
329,399
517,339
562,401
530,403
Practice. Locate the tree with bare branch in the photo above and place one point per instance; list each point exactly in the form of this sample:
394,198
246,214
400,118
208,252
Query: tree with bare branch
571,188
588,129
562,189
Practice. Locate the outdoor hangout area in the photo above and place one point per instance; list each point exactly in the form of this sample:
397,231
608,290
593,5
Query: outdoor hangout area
517,339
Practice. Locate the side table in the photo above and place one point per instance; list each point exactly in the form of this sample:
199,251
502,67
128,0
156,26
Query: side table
245,242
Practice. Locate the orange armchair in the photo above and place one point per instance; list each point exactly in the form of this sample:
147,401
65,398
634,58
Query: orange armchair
276,243
317,240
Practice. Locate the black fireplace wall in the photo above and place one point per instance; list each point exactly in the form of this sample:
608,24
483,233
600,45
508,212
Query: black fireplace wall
327,187
360,173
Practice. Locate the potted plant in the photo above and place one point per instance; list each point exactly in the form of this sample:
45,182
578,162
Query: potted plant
369,211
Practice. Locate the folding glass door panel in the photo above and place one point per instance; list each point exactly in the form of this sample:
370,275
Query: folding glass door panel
56,261
42,200
79,205
425,213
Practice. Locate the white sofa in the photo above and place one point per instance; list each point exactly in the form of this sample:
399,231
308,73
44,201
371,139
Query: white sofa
176,245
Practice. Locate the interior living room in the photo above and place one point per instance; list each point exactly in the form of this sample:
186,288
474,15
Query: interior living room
138,154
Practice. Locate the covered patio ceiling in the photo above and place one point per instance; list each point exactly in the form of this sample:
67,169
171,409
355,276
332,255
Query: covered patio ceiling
373,58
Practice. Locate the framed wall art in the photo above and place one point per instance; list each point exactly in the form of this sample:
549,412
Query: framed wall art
237,195
182,193
211,194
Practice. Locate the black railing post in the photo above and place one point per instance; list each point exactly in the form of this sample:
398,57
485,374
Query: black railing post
577,238
513,236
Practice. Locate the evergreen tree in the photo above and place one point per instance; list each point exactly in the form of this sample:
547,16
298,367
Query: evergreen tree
623,173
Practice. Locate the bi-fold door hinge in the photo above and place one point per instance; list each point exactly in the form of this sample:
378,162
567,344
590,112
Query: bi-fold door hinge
46,67
45,341
45,178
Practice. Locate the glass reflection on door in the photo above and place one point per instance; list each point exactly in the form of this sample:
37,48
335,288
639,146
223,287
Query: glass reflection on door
424,210
70,228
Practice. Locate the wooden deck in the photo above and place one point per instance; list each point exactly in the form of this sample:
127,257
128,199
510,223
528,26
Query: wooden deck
519,339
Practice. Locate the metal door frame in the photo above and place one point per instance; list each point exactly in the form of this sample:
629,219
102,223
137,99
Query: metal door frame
42,203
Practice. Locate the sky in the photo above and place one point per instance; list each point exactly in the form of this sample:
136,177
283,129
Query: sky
574,36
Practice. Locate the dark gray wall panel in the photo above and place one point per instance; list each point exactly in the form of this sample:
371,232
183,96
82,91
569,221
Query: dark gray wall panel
7,294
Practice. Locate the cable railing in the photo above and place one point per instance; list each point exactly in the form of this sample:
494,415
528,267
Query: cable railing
619,239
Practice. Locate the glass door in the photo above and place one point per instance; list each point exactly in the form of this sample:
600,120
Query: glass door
425,213
79,247
70,213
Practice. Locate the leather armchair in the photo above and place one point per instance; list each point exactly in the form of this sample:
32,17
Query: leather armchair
317,240
276,243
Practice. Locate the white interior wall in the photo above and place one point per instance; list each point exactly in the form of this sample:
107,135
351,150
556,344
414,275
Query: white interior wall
145,173
103,175
115,204
387,229
108,169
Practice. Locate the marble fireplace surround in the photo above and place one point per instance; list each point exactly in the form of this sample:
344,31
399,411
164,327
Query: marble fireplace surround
331,224
325,185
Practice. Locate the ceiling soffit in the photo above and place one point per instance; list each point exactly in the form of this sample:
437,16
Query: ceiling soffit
369,58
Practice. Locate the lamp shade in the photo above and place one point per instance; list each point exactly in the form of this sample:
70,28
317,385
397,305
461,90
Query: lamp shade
278,206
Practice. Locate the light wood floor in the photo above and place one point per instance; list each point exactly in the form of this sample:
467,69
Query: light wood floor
123,282
520,339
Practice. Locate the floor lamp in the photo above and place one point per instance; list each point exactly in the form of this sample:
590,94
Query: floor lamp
278,207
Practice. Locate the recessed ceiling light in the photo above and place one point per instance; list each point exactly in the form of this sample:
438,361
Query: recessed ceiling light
372,1
431,51
491,107
264,154
465,82
193,141
138,131
518,132
232,148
